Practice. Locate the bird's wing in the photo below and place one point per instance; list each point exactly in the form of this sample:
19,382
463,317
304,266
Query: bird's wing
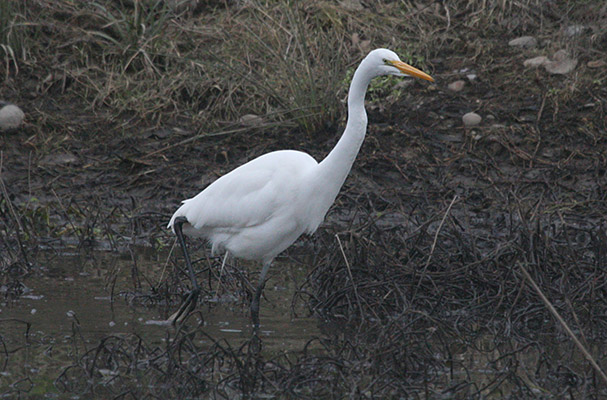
249,195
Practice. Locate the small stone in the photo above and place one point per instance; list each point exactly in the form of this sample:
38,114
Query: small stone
560,67
456,86
551,153
535,62
161,133
497,127
58,159
251,120
596,64
11,116
574,30
562,64
365,46
471,119
560,55
527,42
352,5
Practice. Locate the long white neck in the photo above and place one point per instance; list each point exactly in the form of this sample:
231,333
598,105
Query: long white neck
329,176
334,169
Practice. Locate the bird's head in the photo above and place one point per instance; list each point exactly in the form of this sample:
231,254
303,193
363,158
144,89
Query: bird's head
386,62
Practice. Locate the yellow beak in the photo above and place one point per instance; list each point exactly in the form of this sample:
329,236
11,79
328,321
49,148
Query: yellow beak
409,70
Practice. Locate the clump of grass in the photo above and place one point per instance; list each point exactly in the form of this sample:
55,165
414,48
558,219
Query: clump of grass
295,59
12,35
283,61
297,67
137,34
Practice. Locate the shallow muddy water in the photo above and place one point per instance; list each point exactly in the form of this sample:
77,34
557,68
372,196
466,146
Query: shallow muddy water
68,301
67,310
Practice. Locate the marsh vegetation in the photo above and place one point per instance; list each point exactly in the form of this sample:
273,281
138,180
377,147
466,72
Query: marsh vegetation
412,288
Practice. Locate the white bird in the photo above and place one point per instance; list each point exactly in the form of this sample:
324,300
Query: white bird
260,208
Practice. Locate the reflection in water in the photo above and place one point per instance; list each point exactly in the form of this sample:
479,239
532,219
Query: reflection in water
69,300
66,335
72,292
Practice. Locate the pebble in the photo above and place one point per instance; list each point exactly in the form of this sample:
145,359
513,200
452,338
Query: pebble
560,67
11,116
596,64
59,159
251,120
535,62
351,5
456,86
574,30
560,55
497,127
562,64
527,42
471,119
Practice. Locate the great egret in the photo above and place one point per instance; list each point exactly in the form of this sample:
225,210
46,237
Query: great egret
260,208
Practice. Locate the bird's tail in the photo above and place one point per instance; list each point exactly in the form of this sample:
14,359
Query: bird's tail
180,212
170,225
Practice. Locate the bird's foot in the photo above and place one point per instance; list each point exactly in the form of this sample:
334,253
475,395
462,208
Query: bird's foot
186,307
255,344
255,315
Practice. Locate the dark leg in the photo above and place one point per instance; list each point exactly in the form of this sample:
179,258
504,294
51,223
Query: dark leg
190,301
255,305
257,296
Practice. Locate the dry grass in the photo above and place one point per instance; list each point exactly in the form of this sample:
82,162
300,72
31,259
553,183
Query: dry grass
283,62
280,62
277,60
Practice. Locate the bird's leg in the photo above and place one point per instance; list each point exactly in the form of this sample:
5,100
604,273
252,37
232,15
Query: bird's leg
223,264
190,301
257,296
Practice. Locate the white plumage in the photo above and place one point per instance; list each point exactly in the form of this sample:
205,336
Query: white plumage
260,208
255,211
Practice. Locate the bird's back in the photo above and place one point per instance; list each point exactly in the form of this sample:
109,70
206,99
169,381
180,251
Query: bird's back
253,211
